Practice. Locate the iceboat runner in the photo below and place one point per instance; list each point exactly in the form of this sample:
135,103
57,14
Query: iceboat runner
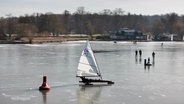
88,69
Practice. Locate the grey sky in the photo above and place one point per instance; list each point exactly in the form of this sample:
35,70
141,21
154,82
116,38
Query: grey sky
145,7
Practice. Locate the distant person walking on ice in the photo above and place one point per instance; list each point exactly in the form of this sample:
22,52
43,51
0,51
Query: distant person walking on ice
136,53
162,44
153,54
140,53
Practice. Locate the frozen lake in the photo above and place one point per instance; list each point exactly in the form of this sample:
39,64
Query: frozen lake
22,67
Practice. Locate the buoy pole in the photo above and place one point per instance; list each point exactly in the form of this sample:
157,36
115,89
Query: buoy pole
44,85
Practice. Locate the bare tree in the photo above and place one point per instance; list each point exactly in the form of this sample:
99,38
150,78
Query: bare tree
10,22
158,27
80,10
172,19
118,11
26,30
2,29
178,28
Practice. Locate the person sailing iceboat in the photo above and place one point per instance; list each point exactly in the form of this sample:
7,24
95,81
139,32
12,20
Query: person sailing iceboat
85,80
88,68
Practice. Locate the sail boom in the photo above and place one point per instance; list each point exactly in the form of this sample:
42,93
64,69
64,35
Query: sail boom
88,76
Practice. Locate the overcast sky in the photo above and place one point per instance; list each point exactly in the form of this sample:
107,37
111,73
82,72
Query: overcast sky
145,7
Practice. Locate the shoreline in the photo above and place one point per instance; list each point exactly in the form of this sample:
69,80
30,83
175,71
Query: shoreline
40,40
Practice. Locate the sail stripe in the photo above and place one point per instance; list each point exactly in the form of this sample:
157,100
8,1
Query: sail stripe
88,64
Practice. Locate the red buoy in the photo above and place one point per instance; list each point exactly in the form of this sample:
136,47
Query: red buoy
44,85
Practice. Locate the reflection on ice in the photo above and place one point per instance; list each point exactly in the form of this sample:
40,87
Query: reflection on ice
44,94
88,95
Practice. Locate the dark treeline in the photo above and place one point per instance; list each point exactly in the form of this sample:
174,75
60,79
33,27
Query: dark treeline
82,22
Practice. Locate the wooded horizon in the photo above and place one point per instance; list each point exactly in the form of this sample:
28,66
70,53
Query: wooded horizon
82,22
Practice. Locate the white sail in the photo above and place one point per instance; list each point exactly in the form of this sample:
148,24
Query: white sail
87,66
